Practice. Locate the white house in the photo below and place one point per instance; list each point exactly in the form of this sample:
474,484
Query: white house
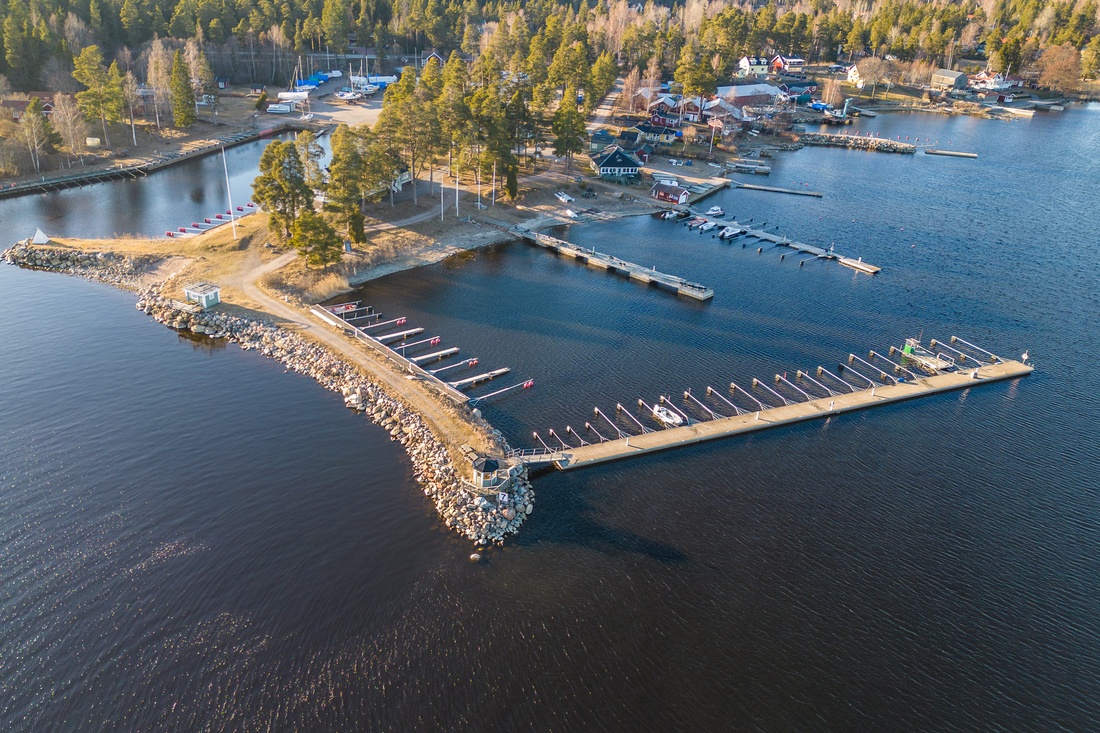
752,66
788,64
615,162
204,293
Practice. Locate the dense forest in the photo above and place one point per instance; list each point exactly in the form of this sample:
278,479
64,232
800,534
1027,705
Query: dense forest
260,40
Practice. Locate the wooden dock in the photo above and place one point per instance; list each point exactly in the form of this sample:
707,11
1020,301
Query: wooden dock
638,445
774,189
810,249
602,261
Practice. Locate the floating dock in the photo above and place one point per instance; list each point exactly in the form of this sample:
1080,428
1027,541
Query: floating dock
952,153
660,440
602,261
793,191
810,249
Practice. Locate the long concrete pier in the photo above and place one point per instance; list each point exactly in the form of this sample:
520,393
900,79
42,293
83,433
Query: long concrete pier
602,261
639,445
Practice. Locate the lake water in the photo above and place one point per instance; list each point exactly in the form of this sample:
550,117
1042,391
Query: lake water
195,539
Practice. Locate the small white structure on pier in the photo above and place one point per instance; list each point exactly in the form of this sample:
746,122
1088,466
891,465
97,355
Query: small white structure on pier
204,293
40,237
485,472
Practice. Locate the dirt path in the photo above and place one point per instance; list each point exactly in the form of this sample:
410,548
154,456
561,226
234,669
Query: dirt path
448,420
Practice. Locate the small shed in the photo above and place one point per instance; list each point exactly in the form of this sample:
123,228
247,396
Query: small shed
485,472
222,82
944,79
204,293
670,192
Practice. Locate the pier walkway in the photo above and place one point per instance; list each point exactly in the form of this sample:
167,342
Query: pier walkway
781,241
602,261
697,432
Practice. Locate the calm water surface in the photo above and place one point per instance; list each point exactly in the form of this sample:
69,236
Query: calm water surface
194,539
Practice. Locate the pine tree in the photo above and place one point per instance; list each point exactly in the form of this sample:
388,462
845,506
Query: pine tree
281,186
315,239
103,96
310,153
180,94
344,194
568,128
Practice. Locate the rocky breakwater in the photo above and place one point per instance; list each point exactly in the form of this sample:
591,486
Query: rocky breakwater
119,270
857,142
481,515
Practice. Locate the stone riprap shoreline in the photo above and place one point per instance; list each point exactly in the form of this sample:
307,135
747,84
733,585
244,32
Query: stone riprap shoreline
482,516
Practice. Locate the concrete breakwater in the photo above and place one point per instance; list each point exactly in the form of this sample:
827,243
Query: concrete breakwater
857,142
482,516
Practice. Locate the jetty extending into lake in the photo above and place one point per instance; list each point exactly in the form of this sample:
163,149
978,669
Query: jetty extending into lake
601,261
818,252
698,432
857,142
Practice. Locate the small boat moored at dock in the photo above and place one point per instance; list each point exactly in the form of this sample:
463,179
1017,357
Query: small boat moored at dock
716,211
666,416
707,226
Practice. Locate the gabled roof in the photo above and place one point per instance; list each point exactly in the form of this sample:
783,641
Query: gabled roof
615,157
736,92
602,134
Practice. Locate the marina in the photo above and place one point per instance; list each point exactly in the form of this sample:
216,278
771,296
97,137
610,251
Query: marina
921,372
731,228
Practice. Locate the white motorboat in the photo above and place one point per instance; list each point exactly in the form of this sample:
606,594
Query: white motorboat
564,197
278,109
666,416
707,227
716,211
729,233
348,96
670,214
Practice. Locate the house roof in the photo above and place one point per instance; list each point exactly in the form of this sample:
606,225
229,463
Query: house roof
486,465
669,190
753,61
202,288
948,74
615,157
629,136
650,129
602,134
734,93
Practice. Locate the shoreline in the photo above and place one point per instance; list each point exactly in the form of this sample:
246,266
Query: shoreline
483,516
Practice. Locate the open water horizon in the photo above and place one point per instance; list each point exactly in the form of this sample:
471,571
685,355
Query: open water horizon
195,539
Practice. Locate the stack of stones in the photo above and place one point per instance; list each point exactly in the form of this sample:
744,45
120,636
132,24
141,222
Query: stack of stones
482,518
479,515
119,270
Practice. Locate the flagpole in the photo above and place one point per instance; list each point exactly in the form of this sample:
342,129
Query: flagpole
229,195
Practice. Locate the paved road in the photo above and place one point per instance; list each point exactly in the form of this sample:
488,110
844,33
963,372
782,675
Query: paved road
602,115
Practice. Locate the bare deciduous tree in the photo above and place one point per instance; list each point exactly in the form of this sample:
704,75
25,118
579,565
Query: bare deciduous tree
70,124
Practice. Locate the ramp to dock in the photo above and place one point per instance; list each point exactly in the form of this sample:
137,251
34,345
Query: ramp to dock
638,445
